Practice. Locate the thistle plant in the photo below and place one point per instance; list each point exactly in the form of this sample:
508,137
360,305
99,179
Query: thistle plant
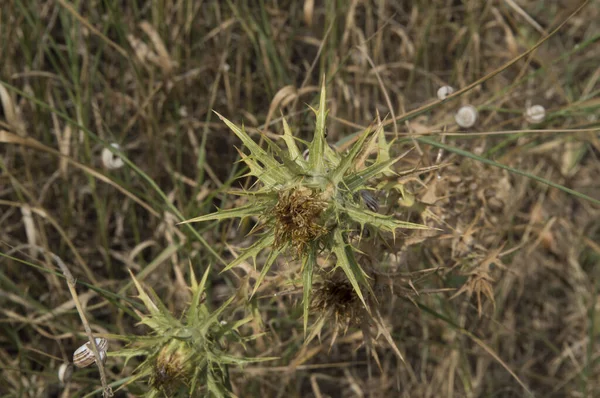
184,357
310,206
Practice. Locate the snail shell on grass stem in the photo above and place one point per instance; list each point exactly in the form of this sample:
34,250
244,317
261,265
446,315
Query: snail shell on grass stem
444,91
84,355
110,160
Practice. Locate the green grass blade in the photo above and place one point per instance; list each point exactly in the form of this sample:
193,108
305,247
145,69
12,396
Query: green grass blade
168,203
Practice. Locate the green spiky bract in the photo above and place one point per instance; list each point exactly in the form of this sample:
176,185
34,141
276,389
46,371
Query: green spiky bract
184,357
310,205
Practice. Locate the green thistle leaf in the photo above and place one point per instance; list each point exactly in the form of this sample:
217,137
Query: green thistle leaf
277,169
345,260
318,144
358,180
258,171
380,221
308,205
266,267
290,142
252,209
307,274
348,161
265,241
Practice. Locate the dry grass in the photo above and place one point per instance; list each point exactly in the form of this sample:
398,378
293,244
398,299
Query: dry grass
501,300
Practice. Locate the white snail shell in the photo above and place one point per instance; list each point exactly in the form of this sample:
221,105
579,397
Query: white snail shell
84,356
65,371
535,114
444,91
110,160
466,116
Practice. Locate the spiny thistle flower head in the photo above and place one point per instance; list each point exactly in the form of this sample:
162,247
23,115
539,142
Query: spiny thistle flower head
184,357
297,216
311,204
335,301
172,367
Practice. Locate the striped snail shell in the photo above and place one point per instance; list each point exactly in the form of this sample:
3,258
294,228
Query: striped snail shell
305,154
84,355
369,200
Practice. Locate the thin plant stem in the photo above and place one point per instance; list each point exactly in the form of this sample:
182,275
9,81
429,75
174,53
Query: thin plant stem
106,389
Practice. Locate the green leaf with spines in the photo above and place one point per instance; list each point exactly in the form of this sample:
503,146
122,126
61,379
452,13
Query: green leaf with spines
213,387
142,295
332,157
277,169
290,142
266,267
213,318
345,260
248,210
265,241
318,143
192,314
359,179
240,361
383,153
316,327
241,322
333,176
307,274
386,223
258,171
349,159
292,167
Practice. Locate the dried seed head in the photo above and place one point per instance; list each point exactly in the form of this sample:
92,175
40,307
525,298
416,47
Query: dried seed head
535,114
297,215
65,371
337,296
110,160
444,91
466,116
84,355
479,282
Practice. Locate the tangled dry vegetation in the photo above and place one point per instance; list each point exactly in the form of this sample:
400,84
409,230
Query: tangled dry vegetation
498,297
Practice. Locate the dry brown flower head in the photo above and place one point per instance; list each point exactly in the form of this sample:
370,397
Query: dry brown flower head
297,215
